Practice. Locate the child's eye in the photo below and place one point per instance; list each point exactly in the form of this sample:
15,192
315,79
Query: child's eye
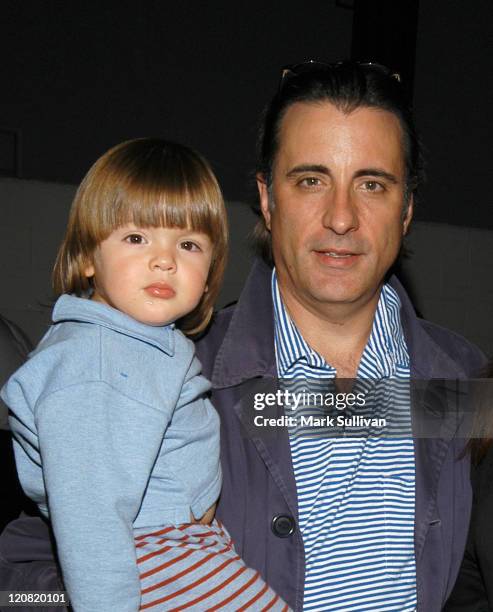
135,239
189,245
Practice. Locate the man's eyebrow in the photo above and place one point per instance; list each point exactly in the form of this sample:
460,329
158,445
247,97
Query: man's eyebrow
319,168
378,172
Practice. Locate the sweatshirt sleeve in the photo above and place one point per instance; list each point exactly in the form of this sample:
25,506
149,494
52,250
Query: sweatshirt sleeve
97,450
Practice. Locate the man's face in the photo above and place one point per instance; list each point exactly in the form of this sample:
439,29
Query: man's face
338,195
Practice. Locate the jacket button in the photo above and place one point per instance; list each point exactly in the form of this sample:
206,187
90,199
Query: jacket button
283,525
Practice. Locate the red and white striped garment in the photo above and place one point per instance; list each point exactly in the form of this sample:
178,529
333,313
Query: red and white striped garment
195,567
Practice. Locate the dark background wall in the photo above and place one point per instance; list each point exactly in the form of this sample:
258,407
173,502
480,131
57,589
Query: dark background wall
453,96
80,77
83,76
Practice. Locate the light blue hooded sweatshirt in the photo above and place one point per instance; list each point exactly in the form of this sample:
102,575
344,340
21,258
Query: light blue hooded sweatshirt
111,433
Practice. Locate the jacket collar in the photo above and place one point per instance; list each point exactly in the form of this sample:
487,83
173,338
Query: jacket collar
251,328
71,308
429,360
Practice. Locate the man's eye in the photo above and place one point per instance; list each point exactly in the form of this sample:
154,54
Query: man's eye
373,186
135,239
310,181
189,245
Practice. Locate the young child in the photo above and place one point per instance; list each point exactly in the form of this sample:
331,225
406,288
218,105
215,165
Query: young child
114,438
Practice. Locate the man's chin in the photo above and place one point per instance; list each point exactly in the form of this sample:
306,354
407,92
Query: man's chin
340,290
334,293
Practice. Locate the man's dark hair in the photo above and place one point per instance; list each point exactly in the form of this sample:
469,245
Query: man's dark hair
347,85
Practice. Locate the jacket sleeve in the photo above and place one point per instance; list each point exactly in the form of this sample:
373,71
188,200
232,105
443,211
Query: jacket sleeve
97,449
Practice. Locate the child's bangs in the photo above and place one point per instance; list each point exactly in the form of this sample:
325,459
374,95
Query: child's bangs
197,209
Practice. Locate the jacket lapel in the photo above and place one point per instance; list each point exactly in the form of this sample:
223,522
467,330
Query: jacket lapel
247,350
436,415
246,359
271,441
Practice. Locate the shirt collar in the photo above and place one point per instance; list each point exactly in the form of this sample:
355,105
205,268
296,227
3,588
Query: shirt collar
291,347
386,348
71,308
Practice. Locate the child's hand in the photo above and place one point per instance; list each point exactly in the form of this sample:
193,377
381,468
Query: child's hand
207,518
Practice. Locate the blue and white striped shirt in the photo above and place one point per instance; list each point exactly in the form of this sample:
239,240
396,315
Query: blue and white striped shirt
355,494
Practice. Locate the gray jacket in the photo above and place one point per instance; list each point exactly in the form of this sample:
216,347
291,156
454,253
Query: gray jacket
258,502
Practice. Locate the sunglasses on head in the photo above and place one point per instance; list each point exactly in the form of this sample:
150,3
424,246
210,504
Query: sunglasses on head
294,70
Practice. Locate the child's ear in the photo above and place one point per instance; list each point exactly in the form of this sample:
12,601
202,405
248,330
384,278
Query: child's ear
88,270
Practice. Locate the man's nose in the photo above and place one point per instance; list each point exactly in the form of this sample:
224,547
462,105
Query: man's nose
341,214
163,259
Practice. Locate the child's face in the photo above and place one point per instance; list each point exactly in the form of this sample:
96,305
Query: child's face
154,274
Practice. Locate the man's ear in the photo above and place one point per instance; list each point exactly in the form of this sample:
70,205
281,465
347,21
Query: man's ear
263,192
408,216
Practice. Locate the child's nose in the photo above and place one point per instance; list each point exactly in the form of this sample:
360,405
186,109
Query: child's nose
164,261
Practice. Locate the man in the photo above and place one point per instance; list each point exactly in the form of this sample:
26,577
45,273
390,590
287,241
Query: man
336,524
365,523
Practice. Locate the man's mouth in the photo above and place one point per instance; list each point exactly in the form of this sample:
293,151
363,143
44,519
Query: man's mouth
337,258
337,255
